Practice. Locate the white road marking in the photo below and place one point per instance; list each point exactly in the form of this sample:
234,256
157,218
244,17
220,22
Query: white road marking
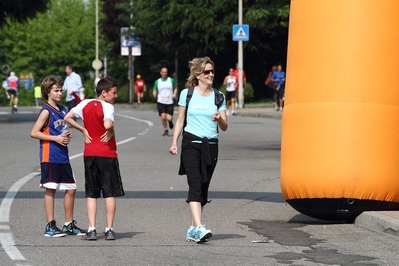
7,239
9,197
8,244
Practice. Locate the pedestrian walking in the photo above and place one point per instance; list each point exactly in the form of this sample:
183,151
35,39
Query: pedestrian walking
270,85
165,91
140,88
12,88
278,77
230,81
38,95
73,87
202,110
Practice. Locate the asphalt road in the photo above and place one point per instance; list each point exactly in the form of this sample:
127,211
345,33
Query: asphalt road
152,218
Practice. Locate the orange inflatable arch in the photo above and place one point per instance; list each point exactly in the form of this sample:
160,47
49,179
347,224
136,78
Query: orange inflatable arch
340,126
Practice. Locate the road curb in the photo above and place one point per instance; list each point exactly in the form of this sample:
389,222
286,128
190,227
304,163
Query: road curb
378,222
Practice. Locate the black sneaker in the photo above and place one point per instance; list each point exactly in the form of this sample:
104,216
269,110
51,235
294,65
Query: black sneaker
52,230
166,133
170,124
91,235
109,235
72,229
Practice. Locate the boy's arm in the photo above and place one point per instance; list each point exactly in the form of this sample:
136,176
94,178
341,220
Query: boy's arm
38,134
69,119
109,133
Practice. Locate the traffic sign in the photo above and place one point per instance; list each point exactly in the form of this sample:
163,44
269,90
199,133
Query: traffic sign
97,64
129,40
240,32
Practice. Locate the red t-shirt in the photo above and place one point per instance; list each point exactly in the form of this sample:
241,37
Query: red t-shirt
93,113
139,83
235,73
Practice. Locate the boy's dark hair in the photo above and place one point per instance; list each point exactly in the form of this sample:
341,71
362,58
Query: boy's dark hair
106,84
48,84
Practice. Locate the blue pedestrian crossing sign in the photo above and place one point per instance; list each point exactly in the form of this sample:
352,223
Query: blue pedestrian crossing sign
240,32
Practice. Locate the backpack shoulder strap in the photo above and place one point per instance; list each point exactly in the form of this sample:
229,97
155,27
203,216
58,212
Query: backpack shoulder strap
219,98
188,98
189,95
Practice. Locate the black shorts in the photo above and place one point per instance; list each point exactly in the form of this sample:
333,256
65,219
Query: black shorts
230,95
13,91
279,90
165,108
102,175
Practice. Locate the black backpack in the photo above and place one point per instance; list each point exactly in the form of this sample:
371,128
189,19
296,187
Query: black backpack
219,98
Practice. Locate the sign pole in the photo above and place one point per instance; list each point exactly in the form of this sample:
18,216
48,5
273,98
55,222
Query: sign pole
130,75
240,62
96,36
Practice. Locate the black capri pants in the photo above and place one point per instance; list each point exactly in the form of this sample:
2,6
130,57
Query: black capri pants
191,157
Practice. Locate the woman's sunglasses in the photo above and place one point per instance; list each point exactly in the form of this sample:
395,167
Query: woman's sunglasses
207,72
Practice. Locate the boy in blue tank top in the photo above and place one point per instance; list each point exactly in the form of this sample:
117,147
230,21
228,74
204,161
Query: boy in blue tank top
56,171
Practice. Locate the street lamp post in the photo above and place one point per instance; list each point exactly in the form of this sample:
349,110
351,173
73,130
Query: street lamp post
96,36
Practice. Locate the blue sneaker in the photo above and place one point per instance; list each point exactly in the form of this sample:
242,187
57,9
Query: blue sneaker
52,230
202,234
190,235
72,229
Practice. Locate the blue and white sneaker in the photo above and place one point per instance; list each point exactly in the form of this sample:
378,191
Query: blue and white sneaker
190,235
72,229
202,234
52,230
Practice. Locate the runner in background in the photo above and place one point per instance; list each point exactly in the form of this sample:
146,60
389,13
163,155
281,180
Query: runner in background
12,87
139,87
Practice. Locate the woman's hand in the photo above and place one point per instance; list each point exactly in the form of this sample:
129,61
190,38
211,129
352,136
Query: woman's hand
173,149
216,116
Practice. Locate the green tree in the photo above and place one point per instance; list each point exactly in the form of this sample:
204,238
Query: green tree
45,45
183,29
20,10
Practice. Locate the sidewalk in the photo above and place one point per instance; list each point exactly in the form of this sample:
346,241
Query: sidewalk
261,111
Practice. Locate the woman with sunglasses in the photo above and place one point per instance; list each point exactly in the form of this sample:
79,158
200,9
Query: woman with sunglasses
199,124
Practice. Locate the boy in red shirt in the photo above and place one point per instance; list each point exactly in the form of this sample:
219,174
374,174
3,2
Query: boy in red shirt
102,175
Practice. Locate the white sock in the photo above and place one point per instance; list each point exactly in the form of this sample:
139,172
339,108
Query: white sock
107,229
192,227
91,229
66,223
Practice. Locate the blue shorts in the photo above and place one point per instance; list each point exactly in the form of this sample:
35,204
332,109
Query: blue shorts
102,175
13,91
57,176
